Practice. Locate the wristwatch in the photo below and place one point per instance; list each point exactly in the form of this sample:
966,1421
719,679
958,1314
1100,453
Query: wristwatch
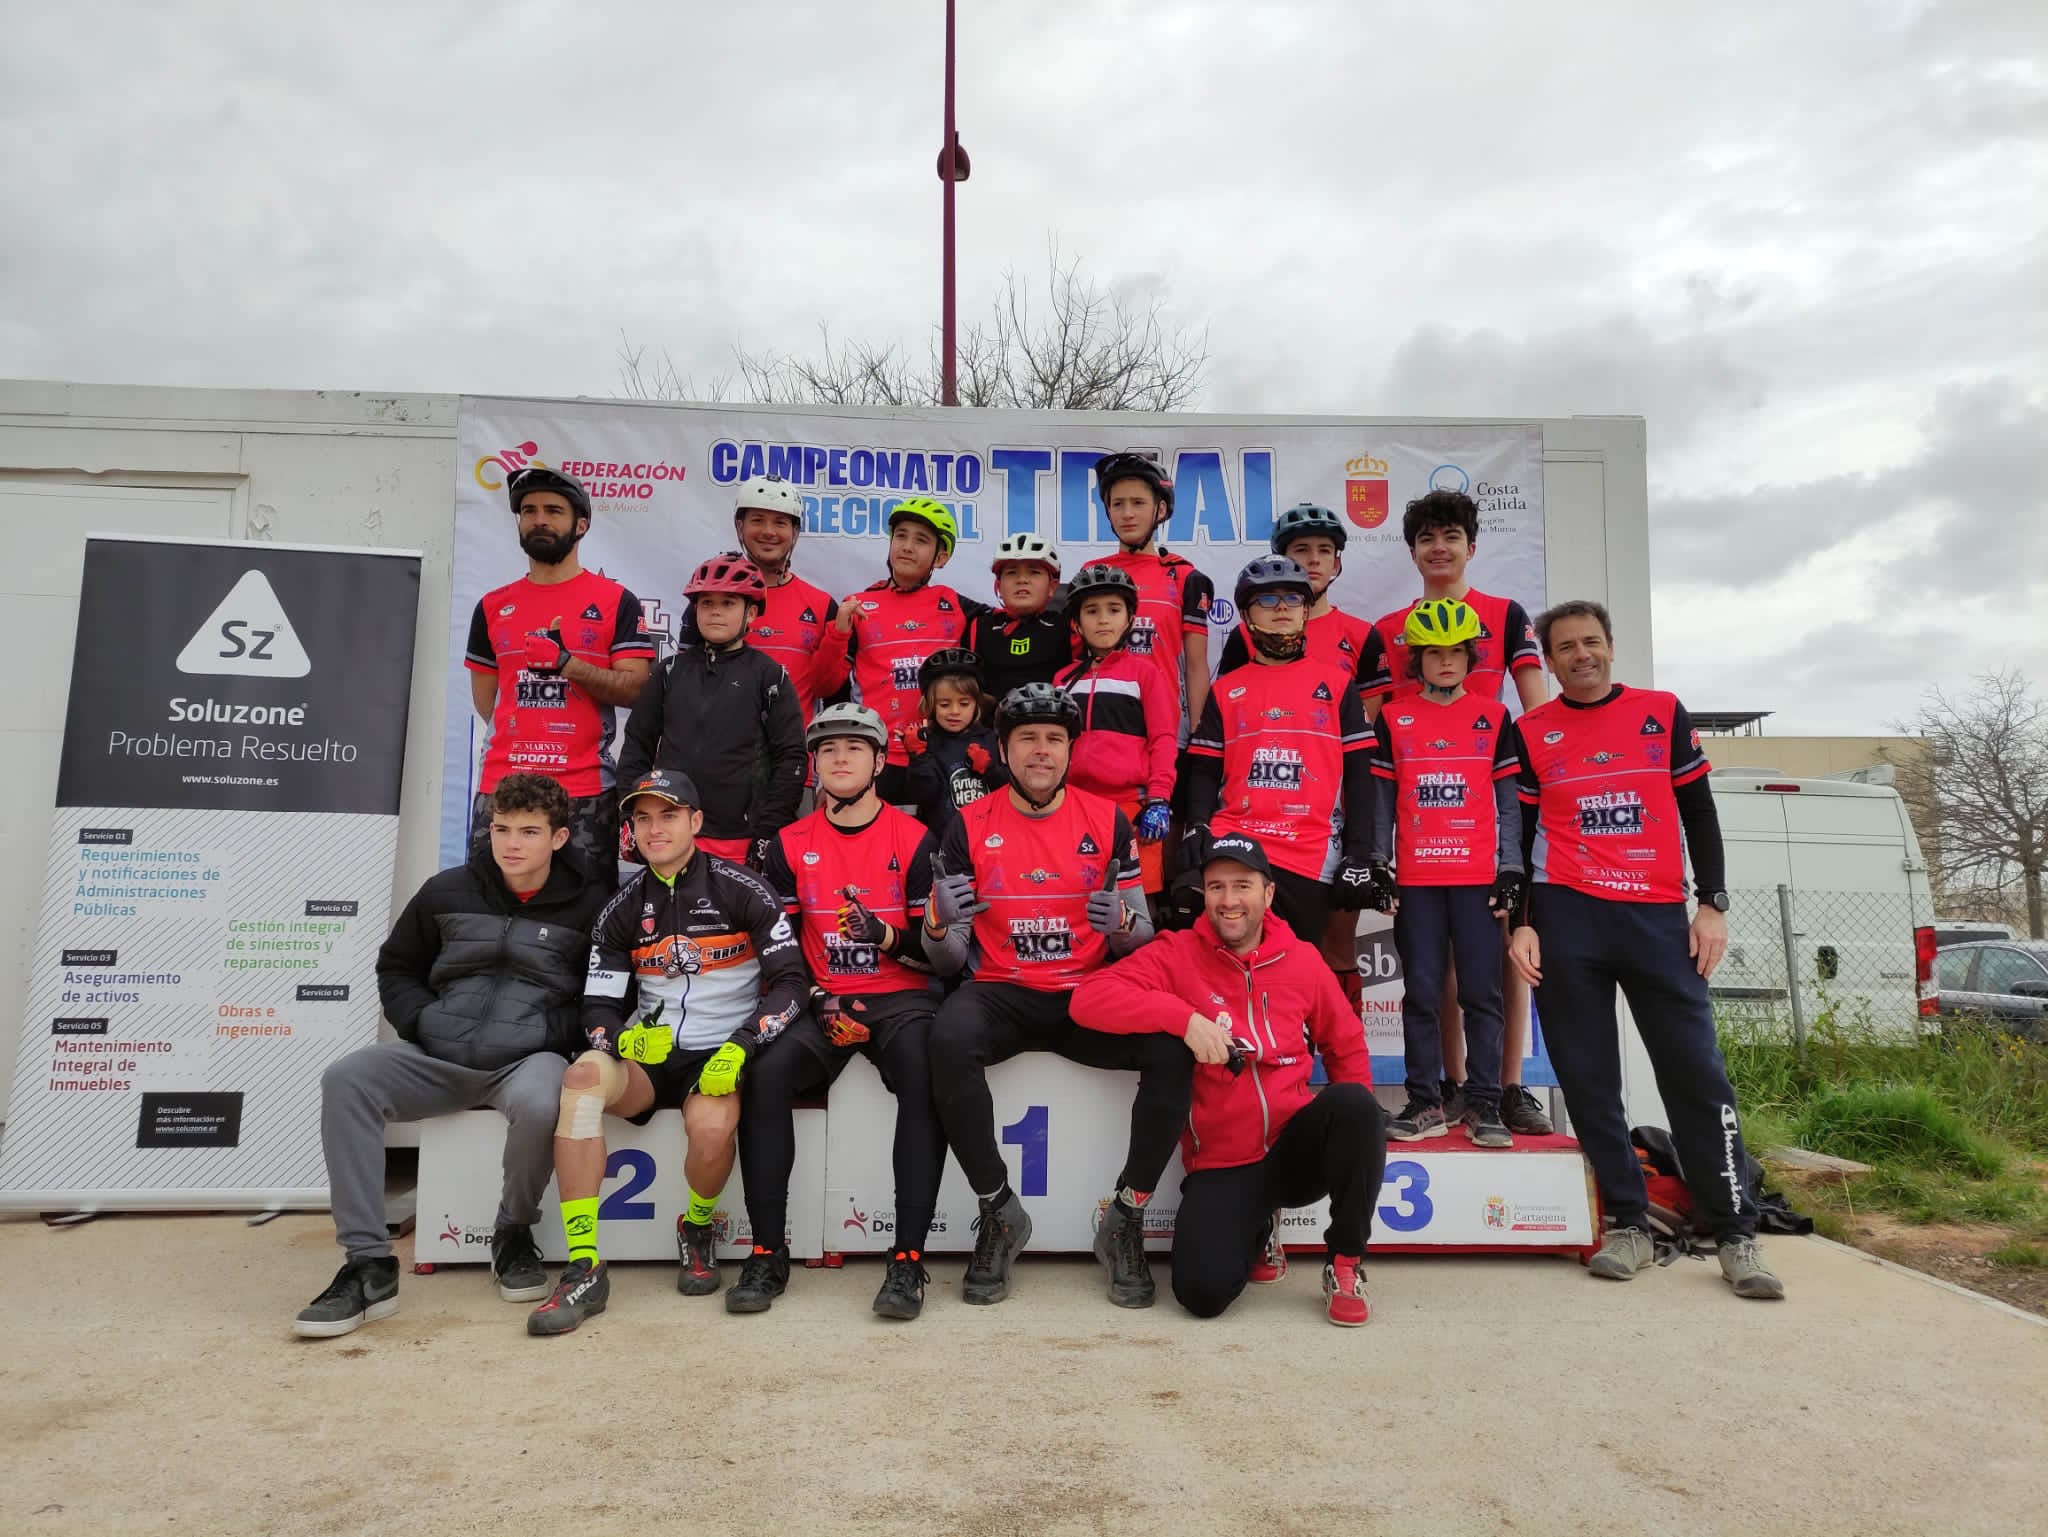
1717,900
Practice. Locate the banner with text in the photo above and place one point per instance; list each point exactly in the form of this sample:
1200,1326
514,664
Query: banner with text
661,478
219,876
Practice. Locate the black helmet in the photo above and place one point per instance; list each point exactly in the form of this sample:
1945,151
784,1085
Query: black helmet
1303,519
949,662
1272,573
1037,702
538,477
1092,580
1111,468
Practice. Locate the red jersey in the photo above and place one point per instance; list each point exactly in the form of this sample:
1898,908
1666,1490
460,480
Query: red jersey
793,624
545,724
1036,873
893,632
1130,730
1507,643
1283,733
1173,602
812,862
1444,760
1340,639
1601,778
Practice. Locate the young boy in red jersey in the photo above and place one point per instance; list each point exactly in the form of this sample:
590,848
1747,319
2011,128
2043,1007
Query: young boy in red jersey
1023,641
1172,623
1280,756
850,878
887,630
1442,531
1447,812
1129,733
796,617
954,757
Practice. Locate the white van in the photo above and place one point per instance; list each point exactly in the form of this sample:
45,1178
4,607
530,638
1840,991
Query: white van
1862,912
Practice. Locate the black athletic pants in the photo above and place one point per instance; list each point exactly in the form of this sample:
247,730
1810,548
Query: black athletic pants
1590,946
1335,1146
1434,924
802,1061
1304,903
988,1022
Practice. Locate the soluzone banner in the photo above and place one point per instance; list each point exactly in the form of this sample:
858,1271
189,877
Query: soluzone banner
219,873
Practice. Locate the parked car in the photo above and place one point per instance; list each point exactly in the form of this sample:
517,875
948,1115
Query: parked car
2002,980
1962,931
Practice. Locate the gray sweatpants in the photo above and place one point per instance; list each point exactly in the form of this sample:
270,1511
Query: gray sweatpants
396,1081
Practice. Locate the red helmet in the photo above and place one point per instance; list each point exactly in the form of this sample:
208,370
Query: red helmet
730,572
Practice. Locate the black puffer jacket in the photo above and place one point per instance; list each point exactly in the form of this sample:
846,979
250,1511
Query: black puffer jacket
473,975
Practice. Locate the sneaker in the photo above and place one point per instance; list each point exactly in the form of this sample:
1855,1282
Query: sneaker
362,1291
1271,1264
1000,1234
1522,1113
1483,1127
1742,1267
1120,1245
902,1293
516,1266
1623,1251
697,1246
1417,1121
581,1293
763,1278
1344,1291
1452,1097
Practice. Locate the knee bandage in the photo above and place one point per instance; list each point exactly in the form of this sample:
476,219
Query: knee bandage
583,1105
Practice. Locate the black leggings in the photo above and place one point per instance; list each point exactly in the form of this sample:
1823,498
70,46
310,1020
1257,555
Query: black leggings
1336,1145
800,1062
988,1022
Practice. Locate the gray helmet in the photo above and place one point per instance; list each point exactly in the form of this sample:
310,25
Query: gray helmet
846,720
1304,519
1091,581
1271,573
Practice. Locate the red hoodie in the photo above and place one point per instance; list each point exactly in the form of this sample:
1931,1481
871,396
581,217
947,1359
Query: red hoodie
1281,998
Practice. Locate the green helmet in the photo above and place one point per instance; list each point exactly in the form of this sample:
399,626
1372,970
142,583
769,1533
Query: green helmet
935,515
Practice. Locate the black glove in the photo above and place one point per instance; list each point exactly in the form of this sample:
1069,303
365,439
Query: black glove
1384,887
757,854
1509,888
1354,884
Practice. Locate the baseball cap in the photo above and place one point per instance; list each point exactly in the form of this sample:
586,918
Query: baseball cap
1245,851
665,784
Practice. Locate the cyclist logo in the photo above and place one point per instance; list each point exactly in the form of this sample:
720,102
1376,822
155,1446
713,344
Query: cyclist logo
858,1221
450,1233
505,463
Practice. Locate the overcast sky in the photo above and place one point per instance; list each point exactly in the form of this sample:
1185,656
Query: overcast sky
1808,242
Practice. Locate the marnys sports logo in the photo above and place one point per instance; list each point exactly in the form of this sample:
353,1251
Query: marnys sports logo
607,480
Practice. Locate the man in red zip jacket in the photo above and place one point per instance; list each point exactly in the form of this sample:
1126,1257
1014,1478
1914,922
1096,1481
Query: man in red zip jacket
1254,1004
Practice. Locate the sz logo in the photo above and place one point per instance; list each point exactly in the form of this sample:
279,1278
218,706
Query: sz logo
505,463
248,635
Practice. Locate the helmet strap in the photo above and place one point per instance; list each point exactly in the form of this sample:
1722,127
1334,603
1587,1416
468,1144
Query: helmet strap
1033,801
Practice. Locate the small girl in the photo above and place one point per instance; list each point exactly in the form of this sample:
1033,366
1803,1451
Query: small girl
952,748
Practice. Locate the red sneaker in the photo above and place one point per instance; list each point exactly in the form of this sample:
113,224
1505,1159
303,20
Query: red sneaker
1344,1290
1271,1264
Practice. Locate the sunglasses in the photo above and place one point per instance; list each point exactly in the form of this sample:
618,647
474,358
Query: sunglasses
1272,600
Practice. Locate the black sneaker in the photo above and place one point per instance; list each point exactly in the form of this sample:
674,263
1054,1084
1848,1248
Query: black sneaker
582,1293
902,1293
362,1291
763,1278
1120,1244
697,1246
1522,1113
1000,1234
516,1266
1452,1097
1483,1127
1417,1121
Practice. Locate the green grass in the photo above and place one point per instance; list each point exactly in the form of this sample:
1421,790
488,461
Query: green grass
1954,1125
2019,1252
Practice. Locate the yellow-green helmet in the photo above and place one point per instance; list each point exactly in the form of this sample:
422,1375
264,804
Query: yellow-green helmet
1440,622
935,515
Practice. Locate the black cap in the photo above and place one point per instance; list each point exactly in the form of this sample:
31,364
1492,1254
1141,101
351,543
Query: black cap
1245,851
668,785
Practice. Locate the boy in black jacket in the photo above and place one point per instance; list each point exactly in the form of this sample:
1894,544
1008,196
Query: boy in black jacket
725,715
482,978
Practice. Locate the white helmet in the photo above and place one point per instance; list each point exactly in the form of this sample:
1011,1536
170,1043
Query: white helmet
1027,547
769,493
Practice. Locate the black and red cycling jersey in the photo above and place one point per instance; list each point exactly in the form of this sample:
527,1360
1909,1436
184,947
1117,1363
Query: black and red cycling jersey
1444,761
815,862
893,632
795,627
1340,639
1506,644
1174,599
1130,728
1036,874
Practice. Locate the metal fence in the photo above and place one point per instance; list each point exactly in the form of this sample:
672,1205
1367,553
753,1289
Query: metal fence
1841,961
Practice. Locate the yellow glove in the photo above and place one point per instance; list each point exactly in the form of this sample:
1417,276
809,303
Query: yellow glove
721,1075
647,1044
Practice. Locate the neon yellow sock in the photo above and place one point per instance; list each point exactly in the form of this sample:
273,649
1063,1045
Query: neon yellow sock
702,1208
579,1226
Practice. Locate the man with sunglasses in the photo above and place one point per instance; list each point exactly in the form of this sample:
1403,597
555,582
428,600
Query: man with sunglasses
1281,757
551,657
